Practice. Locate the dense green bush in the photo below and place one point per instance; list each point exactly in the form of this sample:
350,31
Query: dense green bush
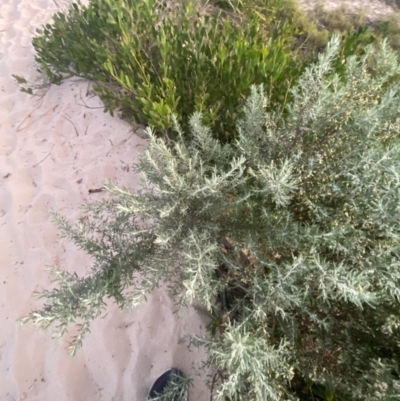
150,65
150,60
289,237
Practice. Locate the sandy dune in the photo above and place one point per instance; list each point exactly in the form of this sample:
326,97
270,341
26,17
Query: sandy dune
51,153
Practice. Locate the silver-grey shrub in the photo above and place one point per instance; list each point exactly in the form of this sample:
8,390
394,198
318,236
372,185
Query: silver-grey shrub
288,237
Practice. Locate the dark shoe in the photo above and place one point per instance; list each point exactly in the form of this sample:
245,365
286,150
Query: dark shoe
161,383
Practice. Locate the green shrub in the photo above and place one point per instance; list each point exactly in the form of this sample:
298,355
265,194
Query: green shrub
289,238
150,65
149,60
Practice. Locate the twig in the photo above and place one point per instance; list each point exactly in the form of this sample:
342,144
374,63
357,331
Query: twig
93,191
76,131
122,142
29,115
85,105
44,157
41,97
242,288
214,380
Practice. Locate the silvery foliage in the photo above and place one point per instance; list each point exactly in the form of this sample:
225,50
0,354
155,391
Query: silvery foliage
310,206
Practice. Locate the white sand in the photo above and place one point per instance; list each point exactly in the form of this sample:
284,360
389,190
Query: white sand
49,162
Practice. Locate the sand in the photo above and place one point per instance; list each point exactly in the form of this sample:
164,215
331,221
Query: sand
52,151
372,9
